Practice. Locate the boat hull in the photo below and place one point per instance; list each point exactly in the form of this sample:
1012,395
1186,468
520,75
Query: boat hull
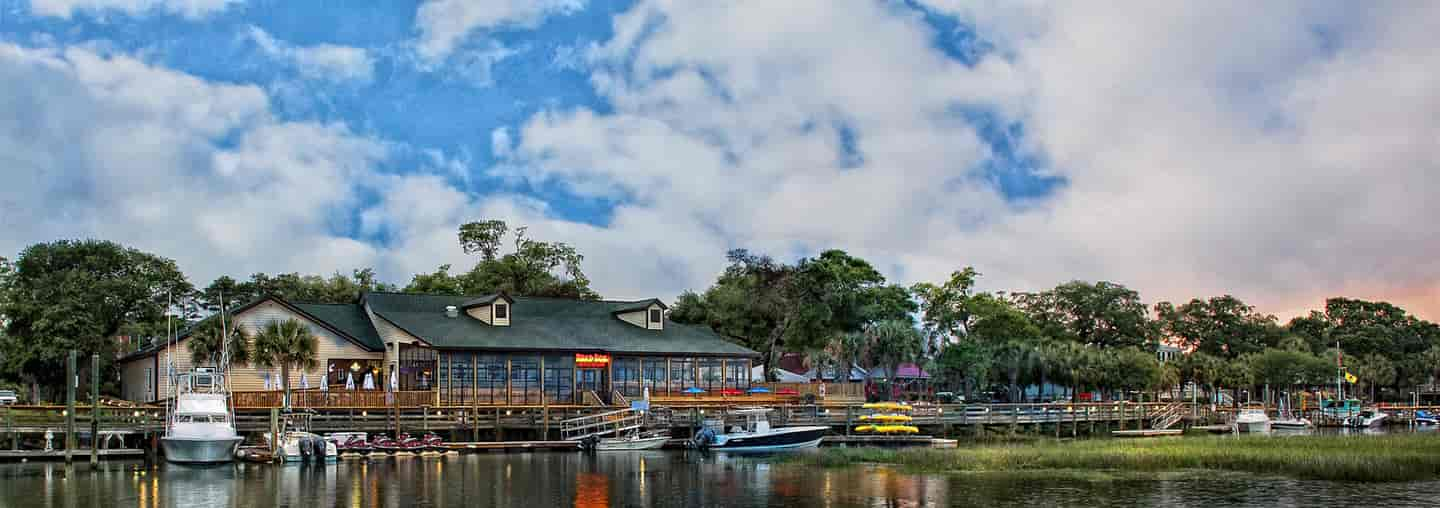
1252,427
199,451
784,438
617,445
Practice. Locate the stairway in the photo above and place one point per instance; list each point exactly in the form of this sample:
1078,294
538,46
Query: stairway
1167,416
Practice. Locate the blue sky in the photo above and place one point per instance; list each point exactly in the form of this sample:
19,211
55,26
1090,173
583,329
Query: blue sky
1209,149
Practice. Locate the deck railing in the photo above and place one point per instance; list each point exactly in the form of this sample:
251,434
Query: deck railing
317,399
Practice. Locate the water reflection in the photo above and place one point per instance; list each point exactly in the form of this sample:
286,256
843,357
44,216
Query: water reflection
653,479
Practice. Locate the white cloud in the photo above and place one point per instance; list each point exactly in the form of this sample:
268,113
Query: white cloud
106,146
443,24
328,62
193,9
1281,152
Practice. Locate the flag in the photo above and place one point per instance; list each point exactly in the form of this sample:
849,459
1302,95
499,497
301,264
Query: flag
1350,378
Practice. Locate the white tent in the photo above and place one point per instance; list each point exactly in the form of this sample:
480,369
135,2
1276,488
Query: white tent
394,381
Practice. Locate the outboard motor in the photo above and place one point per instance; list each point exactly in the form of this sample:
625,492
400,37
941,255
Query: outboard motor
321,452
306,448
703,439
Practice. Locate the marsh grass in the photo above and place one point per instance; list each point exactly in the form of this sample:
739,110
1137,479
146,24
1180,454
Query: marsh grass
1343,458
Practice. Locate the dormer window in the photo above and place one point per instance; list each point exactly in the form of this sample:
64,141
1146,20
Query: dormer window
502,311
655,315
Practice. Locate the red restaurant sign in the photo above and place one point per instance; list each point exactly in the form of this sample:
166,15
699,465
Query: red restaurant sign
592,360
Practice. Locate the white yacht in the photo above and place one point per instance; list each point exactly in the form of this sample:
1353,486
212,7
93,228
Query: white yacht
1252,420
1368,418
757,435
200,429
1288,420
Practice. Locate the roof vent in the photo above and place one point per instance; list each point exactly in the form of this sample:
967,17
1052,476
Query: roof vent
452,311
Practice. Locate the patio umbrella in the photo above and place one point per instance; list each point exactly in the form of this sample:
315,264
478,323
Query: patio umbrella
304,381
759,389
369,383
267,381
349,381
325,383
647,393
394,381
693,390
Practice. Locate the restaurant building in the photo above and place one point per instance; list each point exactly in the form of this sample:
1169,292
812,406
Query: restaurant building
479,350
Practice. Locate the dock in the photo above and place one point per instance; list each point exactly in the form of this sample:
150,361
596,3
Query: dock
1147,433
60,454
513,446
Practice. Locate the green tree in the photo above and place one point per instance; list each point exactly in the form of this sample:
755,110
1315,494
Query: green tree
439,282
337,288
966,364
218,343
892,343
1373,371
77,295
946,308
1104,314
532,268
1222,326
286,344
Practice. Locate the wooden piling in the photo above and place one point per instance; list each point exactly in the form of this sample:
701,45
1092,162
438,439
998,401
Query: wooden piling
94,409
70,381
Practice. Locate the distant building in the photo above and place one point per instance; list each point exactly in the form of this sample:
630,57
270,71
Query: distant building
1167,352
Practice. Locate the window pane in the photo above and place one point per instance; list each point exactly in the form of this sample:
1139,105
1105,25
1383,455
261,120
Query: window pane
524,380
655,375
627,376
560,379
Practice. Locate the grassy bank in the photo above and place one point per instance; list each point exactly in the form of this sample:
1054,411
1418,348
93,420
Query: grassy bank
1346,458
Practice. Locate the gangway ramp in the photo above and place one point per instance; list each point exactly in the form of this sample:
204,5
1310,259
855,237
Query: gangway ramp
610,423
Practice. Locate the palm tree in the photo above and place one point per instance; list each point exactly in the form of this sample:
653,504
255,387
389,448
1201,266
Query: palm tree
208,343
287,344
892,343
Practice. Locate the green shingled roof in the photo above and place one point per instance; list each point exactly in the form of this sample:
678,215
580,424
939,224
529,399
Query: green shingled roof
349,318
546,323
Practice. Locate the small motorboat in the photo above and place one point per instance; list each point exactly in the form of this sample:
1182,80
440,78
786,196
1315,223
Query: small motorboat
1252,421
1367,418
1287,420
636,441
1426,418
300,446
757,435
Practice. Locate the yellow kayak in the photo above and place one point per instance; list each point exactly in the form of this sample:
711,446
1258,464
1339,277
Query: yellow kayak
889,406
897,429
865,428
890,418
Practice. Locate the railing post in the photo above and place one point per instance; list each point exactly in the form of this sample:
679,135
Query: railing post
71,380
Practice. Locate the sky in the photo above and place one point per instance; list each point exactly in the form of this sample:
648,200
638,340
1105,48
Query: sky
1279,151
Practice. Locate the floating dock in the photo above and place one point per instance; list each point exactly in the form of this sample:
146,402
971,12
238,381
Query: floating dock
1147,433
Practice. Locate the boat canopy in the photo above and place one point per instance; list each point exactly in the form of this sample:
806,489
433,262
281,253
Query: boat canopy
201,404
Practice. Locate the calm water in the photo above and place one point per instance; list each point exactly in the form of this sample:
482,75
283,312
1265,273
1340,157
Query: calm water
655,479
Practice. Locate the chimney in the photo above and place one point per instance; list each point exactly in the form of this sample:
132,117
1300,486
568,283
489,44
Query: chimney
451,311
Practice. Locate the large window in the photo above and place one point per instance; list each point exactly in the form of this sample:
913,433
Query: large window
417,368
490,379
737,374
627,376
682,374
560,379
711,375
524,380
339,371
457,378
654,375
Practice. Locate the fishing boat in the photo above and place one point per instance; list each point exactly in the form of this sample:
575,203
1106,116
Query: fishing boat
200,429
756,434
1426,418
1287,419
1252,420
636,441
1367,418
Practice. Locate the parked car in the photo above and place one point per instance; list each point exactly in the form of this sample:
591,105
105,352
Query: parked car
8,398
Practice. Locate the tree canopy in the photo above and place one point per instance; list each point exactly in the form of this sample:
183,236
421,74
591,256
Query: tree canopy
1222,326
76,295
531,268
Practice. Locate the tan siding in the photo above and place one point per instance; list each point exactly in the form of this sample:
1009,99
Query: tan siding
133,379
482,313
636,318
249,378
390,334
179,356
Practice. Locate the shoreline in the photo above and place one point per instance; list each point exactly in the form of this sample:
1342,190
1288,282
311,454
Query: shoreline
1393,458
